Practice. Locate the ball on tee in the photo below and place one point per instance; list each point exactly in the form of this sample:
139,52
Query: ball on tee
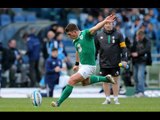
36,98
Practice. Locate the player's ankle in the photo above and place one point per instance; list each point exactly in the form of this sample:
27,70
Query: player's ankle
57,104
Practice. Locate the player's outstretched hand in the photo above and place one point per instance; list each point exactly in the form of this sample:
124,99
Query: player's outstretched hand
110,18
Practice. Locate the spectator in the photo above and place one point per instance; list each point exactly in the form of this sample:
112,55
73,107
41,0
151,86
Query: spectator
151,34
89,22
135,26
61,48
14,67
146,19
62,54
60,29
7,59
17,66
51,42
53,67
139,51
33,52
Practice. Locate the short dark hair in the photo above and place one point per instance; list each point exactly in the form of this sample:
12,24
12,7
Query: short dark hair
54,49
71,27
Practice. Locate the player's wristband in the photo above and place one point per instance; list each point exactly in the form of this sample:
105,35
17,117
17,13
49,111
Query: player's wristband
77,63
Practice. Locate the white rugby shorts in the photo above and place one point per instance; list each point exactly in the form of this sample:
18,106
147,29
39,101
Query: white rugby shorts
86,70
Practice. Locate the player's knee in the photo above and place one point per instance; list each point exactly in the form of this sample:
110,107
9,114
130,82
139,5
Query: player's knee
85,82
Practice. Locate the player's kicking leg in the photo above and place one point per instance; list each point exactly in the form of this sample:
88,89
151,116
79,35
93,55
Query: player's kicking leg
76,78
107,79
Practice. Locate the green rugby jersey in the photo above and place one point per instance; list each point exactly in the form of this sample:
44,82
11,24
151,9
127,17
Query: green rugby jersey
85,47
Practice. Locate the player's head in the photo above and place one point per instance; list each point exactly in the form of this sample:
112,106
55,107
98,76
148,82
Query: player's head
54,52
108,26
72,30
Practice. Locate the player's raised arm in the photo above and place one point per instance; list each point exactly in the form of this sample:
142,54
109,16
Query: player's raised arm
94,29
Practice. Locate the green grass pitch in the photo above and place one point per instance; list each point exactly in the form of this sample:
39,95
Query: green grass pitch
81,104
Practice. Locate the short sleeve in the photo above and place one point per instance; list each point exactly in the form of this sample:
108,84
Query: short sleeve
87,32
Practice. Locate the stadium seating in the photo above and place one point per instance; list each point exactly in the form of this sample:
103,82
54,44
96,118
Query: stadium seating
31,18
5,19
17,10
72,18
19,18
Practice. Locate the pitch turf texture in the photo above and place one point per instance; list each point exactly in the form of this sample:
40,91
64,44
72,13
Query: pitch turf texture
81,104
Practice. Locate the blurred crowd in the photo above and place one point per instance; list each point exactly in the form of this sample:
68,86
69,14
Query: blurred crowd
27,68
129,20
24,72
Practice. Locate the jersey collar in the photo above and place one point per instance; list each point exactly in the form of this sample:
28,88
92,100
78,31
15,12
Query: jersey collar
77,37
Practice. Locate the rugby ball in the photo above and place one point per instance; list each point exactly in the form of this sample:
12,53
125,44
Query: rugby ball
36,98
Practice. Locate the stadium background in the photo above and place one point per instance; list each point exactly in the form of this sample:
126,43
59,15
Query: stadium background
15,21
